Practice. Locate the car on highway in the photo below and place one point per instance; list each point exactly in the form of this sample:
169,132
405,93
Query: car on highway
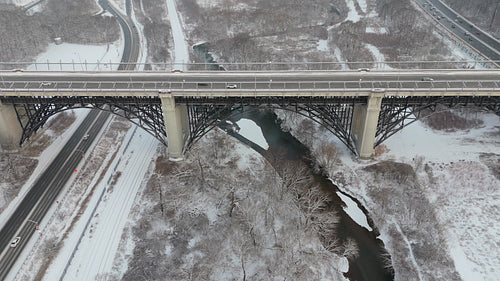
428,79
14,242
364,69
231,86
45,83
86,137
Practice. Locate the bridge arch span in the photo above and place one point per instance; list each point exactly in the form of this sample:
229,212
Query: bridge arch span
33,112
337,114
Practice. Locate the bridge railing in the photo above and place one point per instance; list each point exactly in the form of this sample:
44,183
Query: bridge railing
84,66
246,88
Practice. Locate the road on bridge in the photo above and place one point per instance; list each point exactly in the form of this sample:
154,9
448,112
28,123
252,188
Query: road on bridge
235,83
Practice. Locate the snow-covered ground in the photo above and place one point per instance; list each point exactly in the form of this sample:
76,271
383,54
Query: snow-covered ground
102,223
181,51
452,172
77,57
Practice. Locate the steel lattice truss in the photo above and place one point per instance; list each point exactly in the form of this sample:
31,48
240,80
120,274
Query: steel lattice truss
399,112
33,112
334,113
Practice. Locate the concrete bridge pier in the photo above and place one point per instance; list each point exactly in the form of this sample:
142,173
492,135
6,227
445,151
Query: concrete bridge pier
176,126
10,129
364,125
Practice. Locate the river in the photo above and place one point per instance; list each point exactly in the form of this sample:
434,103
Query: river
368,265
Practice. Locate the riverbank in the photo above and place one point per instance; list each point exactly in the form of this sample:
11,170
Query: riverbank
432,194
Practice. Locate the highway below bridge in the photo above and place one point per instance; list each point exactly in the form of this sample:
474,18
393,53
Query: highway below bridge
41,197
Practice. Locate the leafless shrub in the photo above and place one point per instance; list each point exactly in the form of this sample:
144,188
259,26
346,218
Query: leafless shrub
381,149
389,170
351,249
450,120
492,161
326,155
348,37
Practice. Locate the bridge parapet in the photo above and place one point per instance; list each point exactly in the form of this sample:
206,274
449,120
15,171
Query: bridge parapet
103,66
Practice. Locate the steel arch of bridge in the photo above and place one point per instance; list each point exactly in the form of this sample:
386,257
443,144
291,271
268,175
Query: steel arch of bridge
398,112
33,112
334,113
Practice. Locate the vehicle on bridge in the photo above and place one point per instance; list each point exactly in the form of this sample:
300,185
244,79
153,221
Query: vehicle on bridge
165,91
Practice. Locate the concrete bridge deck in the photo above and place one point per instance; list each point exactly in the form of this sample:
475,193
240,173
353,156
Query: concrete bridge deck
230,83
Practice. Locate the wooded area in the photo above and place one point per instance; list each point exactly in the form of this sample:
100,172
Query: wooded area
24,36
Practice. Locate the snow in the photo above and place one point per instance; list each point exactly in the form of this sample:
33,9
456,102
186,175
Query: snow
352,15
22,2
181,51
119,5
252,131
462,191
441,147
323,45
362,5
99,245
338,55
70,57
417,140
353,211
463,265
379,57
376,30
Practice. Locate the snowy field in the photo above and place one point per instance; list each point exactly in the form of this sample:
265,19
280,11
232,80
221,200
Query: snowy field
456,172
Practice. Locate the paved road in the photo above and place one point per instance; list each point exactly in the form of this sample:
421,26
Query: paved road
236,83
132,40
44,192
462,28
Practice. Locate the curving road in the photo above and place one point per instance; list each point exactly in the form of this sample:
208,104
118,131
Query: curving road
130,33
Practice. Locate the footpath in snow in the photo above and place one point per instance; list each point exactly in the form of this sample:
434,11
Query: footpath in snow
97,249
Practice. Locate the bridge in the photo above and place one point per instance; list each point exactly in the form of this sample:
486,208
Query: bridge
362,108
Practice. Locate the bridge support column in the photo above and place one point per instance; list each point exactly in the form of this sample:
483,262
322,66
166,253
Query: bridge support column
10,129
175,118
364,125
